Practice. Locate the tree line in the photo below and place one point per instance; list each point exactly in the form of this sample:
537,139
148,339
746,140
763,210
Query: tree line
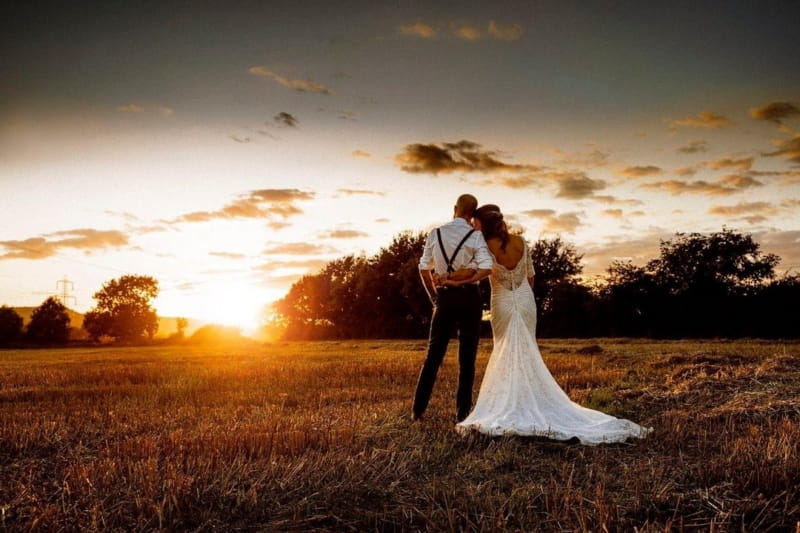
700,285
123,313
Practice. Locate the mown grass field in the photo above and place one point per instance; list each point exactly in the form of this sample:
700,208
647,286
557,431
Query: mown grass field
317,437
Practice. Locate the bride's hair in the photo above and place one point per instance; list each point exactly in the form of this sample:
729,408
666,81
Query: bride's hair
492,224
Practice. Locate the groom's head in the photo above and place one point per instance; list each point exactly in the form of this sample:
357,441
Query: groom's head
465,206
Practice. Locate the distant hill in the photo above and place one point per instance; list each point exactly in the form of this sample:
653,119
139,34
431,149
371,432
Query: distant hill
167,325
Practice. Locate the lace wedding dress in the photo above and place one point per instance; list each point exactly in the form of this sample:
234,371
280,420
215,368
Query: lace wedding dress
518,395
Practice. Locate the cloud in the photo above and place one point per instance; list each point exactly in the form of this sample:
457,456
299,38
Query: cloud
466,32
461,156
554,223
227,255
775,112
299,248
613,213
360,153
788,149
640,171
286,119
694,147
595,158
135,108
505,33
726,185
705,119
576,185
130,108
81,239
359,192
296,85
343,234
597,257
419,29
257,204
761,209
785,244
742,164
685,171
243,140
605,199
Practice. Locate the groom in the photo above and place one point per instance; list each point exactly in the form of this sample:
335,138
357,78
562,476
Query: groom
448,248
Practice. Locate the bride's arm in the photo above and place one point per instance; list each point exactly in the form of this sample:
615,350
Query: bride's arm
474,278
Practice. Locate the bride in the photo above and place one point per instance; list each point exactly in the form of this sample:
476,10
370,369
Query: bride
518,395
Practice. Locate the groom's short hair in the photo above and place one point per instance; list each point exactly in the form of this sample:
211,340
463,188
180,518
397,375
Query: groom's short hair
466,205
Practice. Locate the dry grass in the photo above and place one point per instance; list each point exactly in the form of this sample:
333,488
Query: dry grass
315,436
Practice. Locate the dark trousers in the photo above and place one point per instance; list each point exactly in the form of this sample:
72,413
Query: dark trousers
456,309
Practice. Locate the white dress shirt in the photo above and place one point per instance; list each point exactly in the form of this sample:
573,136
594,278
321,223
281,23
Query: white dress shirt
473,254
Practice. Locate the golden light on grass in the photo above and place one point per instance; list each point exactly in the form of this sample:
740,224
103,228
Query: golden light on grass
316,436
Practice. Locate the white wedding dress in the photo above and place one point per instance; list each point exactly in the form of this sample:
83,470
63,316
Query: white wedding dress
518,395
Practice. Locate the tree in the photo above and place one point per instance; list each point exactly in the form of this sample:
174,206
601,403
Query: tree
10,326
49,323
555,262
123,311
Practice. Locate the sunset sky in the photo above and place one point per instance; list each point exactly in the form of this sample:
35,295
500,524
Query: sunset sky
227,148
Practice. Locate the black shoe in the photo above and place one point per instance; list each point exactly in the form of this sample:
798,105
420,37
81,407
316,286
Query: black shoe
460,417
416,417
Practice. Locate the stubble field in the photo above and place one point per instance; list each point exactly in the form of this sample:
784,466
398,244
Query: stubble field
317,436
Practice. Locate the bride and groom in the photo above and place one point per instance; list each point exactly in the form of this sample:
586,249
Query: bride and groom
518,395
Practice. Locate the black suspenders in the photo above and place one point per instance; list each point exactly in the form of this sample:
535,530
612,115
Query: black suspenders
458,248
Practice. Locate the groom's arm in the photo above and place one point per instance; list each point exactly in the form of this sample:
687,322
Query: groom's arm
428,283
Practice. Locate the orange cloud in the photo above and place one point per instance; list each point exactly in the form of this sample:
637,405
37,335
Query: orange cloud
299,248
724,186
343,234
613,213
227,255
296,85
360,192
606,199
576,185
466,32
694,147
775,112
360,153
81,239
553,223
705,119
640,171
788,149
257,204
743,164
763,209
504,33
420,29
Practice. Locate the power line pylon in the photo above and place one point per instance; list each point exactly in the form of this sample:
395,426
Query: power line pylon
65,286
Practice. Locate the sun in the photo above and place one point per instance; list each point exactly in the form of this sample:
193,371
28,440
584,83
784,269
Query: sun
225,302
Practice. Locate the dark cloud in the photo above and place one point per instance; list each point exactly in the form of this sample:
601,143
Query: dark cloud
694,147
48,245
286,119
576,185
788,149
775,111
462,156
257,204
685,171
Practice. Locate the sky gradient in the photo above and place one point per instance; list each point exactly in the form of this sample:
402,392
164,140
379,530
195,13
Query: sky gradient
227,148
